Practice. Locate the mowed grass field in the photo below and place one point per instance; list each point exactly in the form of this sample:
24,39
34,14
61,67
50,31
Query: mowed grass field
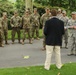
67,69
9,34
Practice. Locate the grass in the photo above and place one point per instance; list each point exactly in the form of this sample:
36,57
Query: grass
9,34
67,69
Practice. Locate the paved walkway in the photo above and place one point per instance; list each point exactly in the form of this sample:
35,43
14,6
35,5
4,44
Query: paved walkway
18,55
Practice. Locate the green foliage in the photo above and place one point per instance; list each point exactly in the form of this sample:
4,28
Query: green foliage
41,8
9,34
6,6
20,5
67,69
67,4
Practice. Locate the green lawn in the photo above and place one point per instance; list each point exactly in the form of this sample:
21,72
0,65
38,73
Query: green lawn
9,34
67,69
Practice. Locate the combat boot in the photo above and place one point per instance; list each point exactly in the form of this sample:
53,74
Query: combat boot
12,42
1,45
22,42
75,53
44,48
19,41
66,46
30,41
38,38
70,54
6,43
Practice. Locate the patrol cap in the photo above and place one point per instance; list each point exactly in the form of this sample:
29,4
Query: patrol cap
4,13
35,9
64,11
15,12
27,11
73,12
59,9
47,8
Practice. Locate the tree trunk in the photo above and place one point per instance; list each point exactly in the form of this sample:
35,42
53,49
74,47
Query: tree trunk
29,5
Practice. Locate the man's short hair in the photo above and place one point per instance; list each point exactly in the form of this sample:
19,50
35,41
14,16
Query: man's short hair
53,12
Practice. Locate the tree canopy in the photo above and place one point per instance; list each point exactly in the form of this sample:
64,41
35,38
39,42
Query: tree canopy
68,4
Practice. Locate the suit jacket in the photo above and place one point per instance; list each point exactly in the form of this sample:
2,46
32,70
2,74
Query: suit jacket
53,31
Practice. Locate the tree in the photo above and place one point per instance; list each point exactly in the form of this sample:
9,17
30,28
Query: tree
71,4
20,6
29,5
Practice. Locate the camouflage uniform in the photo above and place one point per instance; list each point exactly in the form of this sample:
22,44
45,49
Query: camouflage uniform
15,24
65,20
35,24
72,22
59,15
5,28
26,19
44,18
1,33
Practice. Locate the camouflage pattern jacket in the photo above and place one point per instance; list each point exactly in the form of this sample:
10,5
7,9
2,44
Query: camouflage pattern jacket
44,18
35,19
15,21
5,23
26,21
70,23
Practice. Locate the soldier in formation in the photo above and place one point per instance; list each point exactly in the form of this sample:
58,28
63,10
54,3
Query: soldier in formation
1,33
35,23
59,14
65,19
15,24
26,23
5,26
72,29
44,18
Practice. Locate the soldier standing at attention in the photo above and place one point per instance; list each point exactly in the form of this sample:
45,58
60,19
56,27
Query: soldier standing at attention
65,19
35,23
72,29
59,14
1,34
5,26
15,24
44,18
26,23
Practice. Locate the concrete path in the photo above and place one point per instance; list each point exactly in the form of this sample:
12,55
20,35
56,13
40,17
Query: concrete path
18,55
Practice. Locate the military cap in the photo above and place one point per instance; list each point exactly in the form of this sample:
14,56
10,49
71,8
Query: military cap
59,9
27,11
64,11
47,8
35,8
4,13
73,12
15,12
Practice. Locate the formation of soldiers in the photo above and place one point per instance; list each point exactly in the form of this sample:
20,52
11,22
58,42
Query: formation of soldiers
30,24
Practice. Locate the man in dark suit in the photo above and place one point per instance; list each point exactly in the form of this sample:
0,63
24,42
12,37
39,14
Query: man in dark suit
53,30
